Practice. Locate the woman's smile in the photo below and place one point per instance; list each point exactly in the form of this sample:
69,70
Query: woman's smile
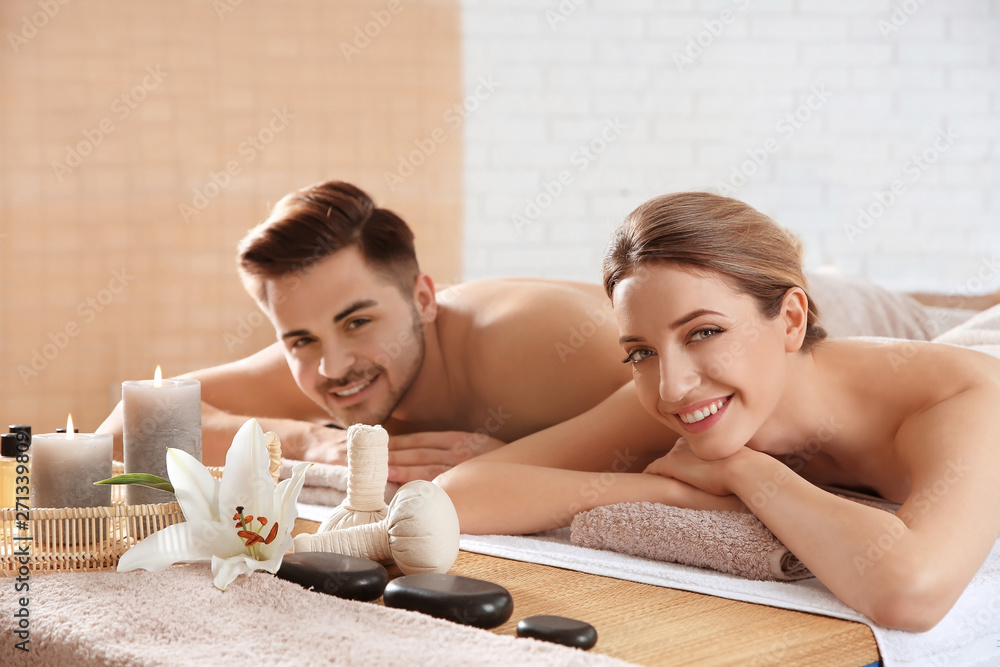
701,416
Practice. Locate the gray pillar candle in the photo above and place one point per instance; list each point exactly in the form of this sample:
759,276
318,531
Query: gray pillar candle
158,414
64,467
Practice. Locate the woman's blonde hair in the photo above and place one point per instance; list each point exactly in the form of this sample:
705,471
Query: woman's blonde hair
717,235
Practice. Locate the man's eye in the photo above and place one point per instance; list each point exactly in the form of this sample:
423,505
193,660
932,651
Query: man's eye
636,356
358,322
705,334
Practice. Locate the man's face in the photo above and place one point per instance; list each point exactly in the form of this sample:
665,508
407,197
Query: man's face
353,341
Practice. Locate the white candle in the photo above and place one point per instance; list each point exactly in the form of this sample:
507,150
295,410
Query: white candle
158,414
64,467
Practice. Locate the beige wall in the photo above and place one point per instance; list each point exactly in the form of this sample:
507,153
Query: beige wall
99,269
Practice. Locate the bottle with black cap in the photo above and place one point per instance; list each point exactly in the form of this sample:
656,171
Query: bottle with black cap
8,468
24,430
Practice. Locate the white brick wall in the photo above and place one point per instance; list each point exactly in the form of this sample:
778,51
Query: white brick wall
572,69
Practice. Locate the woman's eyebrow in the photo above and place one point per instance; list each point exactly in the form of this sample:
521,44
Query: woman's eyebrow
692,315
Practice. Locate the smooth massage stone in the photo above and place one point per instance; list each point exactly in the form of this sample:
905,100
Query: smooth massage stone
481,604
559,630
335,574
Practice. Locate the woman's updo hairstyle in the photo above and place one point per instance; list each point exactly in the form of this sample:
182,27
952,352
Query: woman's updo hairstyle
714,235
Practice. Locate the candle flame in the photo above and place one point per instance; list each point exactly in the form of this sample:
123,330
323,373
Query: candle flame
158,377
69,426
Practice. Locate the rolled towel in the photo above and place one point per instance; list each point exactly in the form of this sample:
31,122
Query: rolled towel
732,542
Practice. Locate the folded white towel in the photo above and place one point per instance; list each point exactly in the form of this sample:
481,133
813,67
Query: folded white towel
967,636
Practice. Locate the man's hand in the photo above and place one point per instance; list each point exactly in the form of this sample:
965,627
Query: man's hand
427,455
682,464
320,444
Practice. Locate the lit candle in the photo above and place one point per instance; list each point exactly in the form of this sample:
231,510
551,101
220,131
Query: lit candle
64,467
158,414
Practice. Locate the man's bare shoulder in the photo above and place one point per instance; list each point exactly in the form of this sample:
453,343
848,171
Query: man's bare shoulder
533,345
517,300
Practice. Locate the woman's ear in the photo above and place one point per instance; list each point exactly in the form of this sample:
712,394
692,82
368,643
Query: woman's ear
795,314
424,298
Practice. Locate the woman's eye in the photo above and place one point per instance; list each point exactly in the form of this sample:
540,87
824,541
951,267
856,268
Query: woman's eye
301,342
636,356
705,334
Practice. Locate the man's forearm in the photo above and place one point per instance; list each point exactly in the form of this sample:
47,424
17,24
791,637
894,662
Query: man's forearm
303,441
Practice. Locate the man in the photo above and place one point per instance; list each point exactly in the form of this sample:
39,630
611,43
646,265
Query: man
364,338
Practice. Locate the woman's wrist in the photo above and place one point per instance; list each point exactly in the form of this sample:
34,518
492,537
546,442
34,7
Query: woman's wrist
755,477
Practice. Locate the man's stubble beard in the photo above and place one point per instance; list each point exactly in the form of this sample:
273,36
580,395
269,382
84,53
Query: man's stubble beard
409,377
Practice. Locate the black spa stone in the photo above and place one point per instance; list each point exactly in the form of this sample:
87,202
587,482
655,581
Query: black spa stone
481,604
559,630
335,574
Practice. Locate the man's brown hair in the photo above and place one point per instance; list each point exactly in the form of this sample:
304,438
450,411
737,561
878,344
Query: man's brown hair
716,235
309,225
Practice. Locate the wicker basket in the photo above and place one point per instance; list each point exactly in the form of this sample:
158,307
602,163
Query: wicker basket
81,538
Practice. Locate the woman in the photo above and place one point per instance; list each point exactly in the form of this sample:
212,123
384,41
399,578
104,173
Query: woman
727,352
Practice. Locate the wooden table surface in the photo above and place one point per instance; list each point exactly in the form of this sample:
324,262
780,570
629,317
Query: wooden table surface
652,625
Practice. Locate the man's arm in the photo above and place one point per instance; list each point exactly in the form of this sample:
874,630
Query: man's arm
301,441
260,386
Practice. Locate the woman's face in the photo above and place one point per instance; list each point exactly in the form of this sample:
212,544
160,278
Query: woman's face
706,362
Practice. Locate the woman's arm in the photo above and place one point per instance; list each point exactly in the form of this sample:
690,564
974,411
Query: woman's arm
904,571
618,429
541,481
497,497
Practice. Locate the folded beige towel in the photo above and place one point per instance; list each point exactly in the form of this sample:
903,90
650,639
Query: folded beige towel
326,484
177,617
732,542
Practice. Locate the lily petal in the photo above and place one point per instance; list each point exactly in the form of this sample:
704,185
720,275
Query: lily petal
196,490
188,542
227,569
246,480
286,494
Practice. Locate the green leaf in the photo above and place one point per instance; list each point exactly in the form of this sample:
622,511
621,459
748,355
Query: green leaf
142,479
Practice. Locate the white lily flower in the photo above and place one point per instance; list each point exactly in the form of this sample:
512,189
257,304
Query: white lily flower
241,523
